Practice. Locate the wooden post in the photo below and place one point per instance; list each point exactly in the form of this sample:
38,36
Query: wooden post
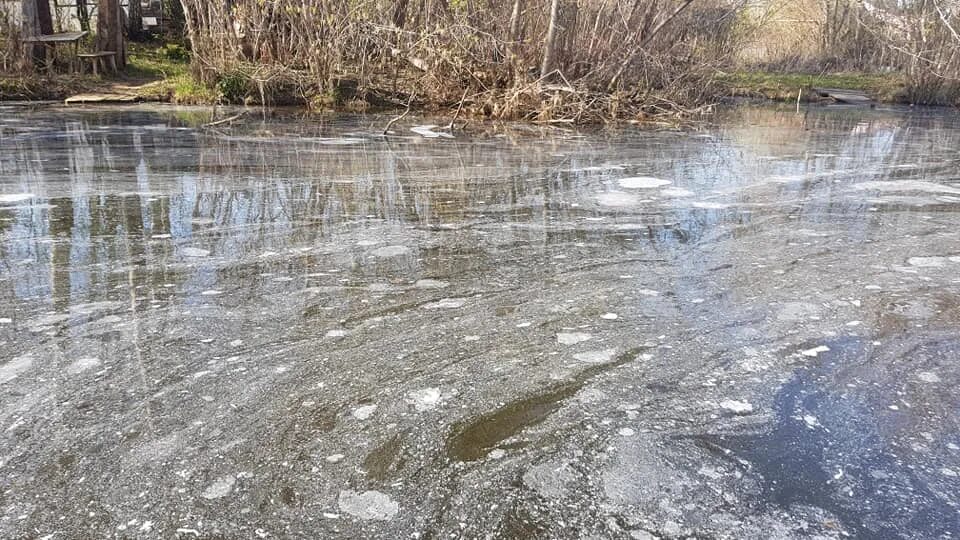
110,29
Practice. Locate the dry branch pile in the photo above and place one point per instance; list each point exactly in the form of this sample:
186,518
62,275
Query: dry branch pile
547,60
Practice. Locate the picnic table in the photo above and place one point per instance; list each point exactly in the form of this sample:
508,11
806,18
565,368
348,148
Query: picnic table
50,41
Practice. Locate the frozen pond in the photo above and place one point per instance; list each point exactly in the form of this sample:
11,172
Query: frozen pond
297,328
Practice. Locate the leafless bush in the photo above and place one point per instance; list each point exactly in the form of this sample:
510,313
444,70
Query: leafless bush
609,57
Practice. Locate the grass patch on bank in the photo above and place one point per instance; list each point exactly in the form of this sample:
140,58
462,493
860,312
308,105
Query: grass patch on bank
168,66
887,88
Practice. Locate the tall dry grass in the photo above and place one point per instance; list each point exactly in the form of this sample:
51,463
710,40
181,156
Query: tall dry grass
612,58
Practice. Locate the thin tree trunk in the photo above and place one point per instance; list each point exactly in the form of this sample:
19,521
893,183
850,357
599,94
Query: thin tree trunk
513,38
550,43
515,21
134,20
400,14
83,14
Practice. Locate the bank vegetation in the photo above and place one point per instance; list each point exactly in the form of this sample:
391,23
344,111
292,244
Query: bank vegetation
549,60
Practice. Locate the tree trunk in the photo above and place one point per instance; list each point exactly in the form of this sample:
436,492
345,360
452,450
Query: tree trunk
513,38
110,29
134,20
46,19
83,14
515,21
550,43
31,27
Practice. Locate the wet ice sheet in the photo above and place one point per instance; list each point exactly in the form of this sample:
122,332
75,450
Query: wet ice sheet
302,329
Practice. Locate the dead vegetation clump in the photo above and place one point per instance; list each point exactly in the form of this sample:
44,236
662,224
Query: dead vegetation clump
543,60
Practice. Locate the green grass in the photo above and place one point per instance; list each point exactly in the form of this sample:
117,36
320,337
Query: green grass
170,72
785,86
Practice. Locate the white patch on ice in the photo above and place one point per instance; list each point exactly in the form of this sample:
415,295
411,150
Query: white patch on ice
596,357
431,284
617,199
524,324
928,377
195,252
82,365
336,333
626,432
906,185
643,182
221,487
710,472
424,399
364,412
15,197
709,205
446,303
391,251
927,262
369,505
211,292
15,367
471,338
648,292
948,472
811,421
5,320
428,132
497,453
335,458
573,338
736,407
610,316
677,192
815,351
236,343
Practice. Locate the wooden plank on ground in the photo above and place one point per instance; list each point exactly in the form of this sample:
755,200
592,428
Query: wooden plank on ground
80,99
853,97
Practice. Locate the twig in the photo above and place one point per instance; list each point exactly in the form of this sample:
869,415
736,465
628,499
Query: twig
406,112
457,114
799,93
225,120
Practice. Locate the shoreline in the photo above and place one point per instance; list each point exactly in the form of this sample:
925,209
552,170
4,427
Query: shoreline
182,89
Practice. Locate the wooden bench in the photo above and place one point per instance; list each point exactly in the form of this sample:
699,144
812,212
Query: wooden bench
99,61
